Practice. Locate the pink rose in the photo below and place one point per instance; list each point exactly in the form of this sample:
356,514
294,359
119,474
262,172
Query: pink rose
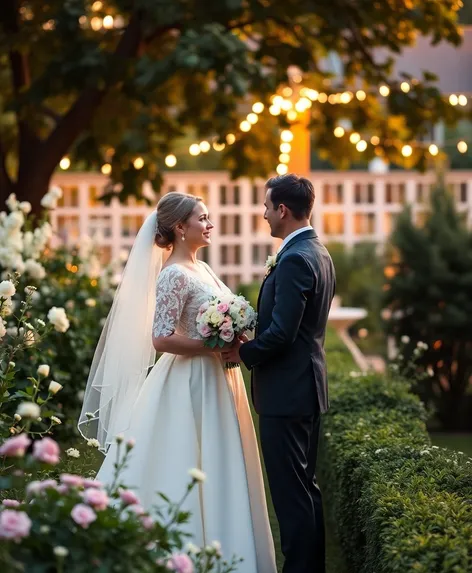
147,521
72,480
97,498
62,489
227,322
11,503
136,508
181,563
16,446
14,525
37,487
204,307
128,497
227,334
222,307
83,515
91,483
46,450
205,330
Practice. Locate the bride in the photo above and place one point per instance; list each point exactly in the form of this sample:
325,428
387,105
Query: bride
189,411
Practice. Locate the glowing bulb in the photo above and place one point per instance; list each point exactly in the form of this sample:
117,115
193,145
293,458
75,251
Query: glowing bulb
405,87
407,150
384,91
171,160
312,94
106,169
462,147
285,147
287,92
453,99
346,97
96,23
462,100
286,105
96,6
286,135
292,115
375,140
218,146
361,145
230,138
333,99
282,169
194,149
433,149
354,137
339,131
205,146
274,110
138,163
108,22
258,107
284,158
64,163
245,126
303,104
277,100
252,118
322,98
361,95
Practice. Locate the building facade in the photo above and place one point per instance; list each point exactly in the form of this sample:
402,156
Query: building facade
350,207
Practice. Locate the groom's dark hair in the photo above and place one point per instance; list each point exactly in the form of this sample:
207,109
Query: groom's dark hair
296,193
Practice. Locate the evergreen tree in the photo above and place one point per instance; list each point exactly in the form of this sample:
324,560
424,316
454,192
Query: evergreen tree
430,296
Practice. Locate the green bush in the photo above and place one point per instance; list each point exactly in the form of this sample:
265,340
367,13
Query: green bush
398,503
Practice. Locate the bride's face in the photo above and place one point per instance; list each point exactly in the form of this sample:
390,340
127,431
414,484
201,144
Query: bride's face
198,227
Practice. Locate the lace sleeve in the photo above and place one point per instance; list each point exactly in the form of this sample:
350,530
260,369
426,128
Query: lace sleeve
171,293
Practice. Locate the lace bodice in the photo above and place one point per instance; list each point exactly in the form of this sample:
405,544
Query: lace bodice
179,295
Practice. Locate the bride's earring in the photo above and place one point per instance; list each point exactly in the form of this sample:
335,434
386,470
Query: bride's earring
183,237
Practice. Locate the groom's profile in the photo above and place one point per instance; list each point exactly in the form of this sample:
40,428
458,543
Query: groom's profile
288,369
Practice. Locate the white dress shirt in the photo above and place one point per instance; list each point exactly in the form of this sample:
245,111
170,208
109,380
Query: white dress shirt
292,235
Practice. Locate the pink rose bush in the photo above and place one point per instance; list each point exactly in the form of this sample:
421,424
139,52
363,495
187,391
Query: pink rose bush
221,319
95,522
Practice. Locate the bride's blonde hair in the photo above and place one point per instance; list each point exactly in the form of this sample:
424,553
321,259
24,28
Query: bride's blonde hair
172,209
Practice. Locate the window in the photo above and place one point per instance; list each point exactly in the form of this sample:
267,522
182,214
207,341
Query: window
364,193
223,197
204,255
70,197
230,224
230,195
68,228
133,202
333,223
130,225
257,277
421,192
236,195
333,194
389,220
224,254
99,226
259,224
93,196
395,193
260,254
364,223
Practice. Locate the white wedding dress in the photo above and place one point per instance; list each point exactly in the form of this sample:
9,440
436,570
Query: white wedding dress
192,412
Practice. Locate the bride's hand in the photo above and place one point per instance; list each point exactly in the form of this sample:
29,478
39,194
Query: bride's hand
243,338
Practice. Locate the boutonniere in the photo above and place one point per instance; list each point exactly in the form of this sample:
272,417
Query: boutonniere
270,265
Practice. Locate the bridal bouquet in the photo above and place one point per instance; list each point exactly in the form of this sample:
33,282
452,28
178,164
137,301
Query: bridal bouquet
222,318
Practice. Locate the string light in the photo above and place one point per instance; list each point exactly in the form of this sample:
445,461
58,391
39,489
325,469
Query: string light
258,107
287,92
245,126
292,115
433,149
462,147
284,158
375,140
384,91
96,23
194,149
453,99
405,87
361,145
322,98
274,110
354,137
218,146
285,147
462,100
171,160
252,118
108,22
64,163
96,6
286,105
230,138
407,151
106,169
286,135
361,95
282,169
339,131
204,146
138,163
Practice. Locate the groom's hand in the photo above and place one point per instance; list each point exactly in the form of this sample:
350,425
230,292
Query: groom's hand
232,354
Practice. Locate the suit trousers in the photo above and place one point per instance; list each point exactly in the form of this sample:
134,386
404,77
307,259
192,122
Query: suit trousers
290,448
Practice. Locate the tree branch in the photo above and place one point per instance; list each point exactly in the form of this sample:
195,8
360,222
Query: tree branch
5,181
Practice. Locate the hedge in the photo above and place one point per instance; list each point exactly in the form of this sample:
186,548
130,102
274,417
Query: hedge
398,503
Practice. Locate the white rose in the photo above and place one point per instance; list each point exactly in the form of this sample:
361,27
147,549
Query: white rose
405,339
94,443
35,269
7,307
73,453
43,370
91,302
28,410
216,318
54,387
49,202
3,329
14,222
28,336
12,202
58,318
192,549
56,420
60,551
197,475
55,192
7,289
25,206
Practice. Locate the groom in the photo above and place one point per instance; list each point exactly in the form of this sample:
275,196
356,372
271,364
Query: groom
287,361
